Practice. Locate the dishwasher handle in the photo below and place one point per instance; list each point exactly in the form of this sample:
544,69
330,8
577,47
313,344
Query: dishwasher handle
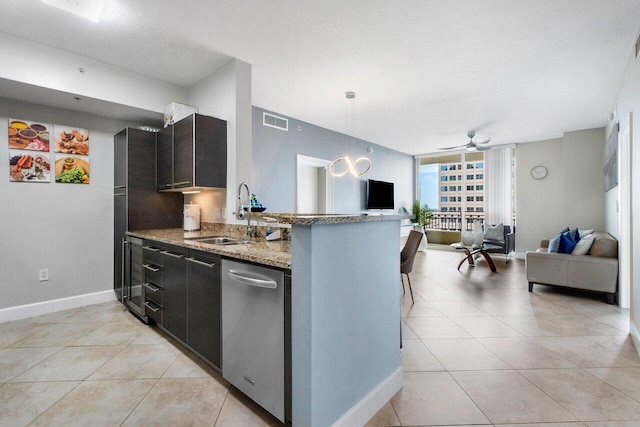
252,281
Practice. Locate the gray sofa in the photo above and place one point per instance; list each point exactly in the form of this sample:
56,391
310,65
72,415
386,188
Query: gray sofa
597,271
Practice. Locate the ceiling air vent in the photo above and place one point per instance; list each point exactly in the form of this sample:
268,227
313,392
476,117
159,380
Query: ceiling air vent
275,121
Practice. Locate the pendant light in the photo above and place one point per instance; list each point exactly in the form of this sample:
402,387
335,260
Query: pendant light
344,164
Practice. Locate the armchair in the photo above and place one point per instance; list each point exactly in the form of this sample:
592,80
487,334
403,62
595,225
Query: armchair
505,246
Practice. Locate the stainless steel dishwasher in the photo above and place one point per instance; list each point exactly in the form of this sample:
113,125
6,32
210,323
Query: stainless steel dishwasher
253,333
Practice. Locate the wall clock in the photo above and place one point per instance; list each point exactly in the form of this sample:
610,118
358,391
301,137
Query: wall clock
539,172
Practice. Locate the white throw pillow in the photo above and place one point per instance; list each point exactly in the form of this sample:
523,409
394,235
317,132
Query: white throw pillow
582,233
583,246
494,232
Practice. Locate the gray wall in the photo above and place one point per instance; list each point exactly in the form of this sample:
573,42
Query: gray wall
66,228
274,165
571,195
628,101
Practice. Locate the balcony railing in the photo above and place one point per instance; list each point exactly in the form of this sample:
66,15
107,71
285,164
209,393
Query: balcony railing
452,221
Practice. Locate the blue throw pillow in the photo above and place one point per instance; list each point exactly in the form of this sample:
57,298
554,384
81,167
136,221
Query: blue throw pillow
554,244
566,243
575,235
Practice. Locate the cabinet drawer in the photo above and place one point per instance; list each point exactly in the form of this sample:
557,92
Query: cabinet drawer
153,310
152,273
153,292
152,253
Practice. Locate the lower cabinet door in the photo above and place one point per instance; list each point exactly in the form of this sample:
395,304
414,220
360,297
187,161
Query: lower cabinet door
174,298
203,307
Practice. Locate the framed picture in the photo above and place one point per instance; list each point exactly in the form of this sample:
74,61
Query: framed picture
611,159
27,166
70,140
72,169
26,135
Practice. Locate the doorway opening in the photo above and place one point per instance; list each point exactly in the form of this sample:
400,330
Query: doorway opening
314,185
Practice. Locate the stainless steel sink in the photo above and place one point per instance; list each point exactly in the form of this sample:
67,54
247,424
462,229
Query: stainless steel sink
221,240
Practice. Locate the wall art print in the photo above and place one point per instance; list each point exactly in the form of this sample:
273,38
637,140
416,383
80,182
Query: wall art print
72,169
27,135
29,166
611,159
70,140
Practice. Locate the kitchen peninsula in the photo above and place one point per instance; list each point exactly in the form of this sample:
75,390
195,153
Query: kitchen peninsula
344,335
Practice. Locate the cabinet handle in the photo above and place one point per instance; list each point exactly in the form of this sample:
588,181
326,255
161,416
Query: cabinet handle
172,254
119,186
176,184
150,248
119,194
252,281
154,309
152,287
125,242
148,267
206,264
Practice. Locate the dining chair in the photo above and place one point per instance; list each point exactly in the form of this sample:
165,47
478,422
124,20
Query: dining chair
407,256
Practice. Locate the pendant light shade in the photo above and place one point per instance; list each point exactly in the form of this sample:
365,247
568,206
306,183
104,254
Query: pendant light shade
343,165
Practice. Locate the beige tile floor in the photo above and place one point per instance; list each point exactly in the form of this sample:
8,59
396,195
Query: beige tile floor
479,349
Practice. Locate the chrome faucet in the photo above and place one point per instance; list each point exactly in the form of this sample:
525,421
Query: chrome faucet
244,210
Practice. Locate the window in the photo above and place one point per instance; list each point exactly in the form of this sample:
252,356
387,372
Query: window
443,178
470,198
479,165
452,167
479,187
452,199
443,188
459,177
444,209
452,188
469,165
452,178
459,187
480,198
459,198
459,167
479,176
443,198
469,187
469,209
443,167
469,177
479,209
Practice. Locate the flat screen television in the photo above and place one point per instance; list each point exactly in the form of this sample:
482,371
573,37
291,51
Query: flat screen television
379,195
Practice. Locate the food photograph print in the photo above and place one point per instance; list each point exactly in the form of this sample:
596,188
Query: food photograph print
70,140
72,169
26,135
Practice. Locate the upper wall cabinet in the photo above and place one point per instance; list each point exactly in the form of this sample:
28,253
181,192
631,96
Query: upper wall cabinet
192,153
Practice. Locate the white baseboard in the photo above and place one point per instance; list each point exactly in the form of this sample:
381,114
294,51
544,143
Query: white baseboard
635,336
366,408
46,307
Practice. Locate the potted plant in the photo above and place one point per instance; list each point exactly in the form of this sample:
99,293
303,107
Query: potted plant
421,217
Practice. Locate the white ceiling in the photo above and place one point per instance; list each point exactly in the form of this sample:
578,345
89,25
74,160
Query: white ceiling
425,71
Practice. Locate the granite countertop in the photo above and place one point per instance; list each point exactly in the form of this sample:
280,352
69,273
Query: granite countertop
272,253
320,219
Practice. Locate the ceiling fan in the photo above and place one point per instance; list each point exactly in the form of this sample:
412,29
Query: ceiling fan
471,145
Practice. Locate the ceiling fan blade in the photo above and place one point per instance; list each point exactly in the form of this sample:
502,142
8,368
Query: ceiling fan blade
483,148
452,148
483,141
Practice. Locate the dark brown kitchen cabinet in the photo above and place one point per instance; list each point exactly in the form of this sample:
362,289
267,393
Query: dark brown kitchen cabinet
174,294
197,157
203,305
137,204
164,158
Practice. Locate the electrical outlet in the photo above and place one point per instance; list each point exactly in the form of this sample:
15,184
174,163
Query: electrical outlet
43,274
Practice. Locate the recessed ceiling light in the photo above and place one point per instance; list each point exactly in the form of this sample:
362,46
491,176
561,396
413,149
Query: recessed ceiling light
88,9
